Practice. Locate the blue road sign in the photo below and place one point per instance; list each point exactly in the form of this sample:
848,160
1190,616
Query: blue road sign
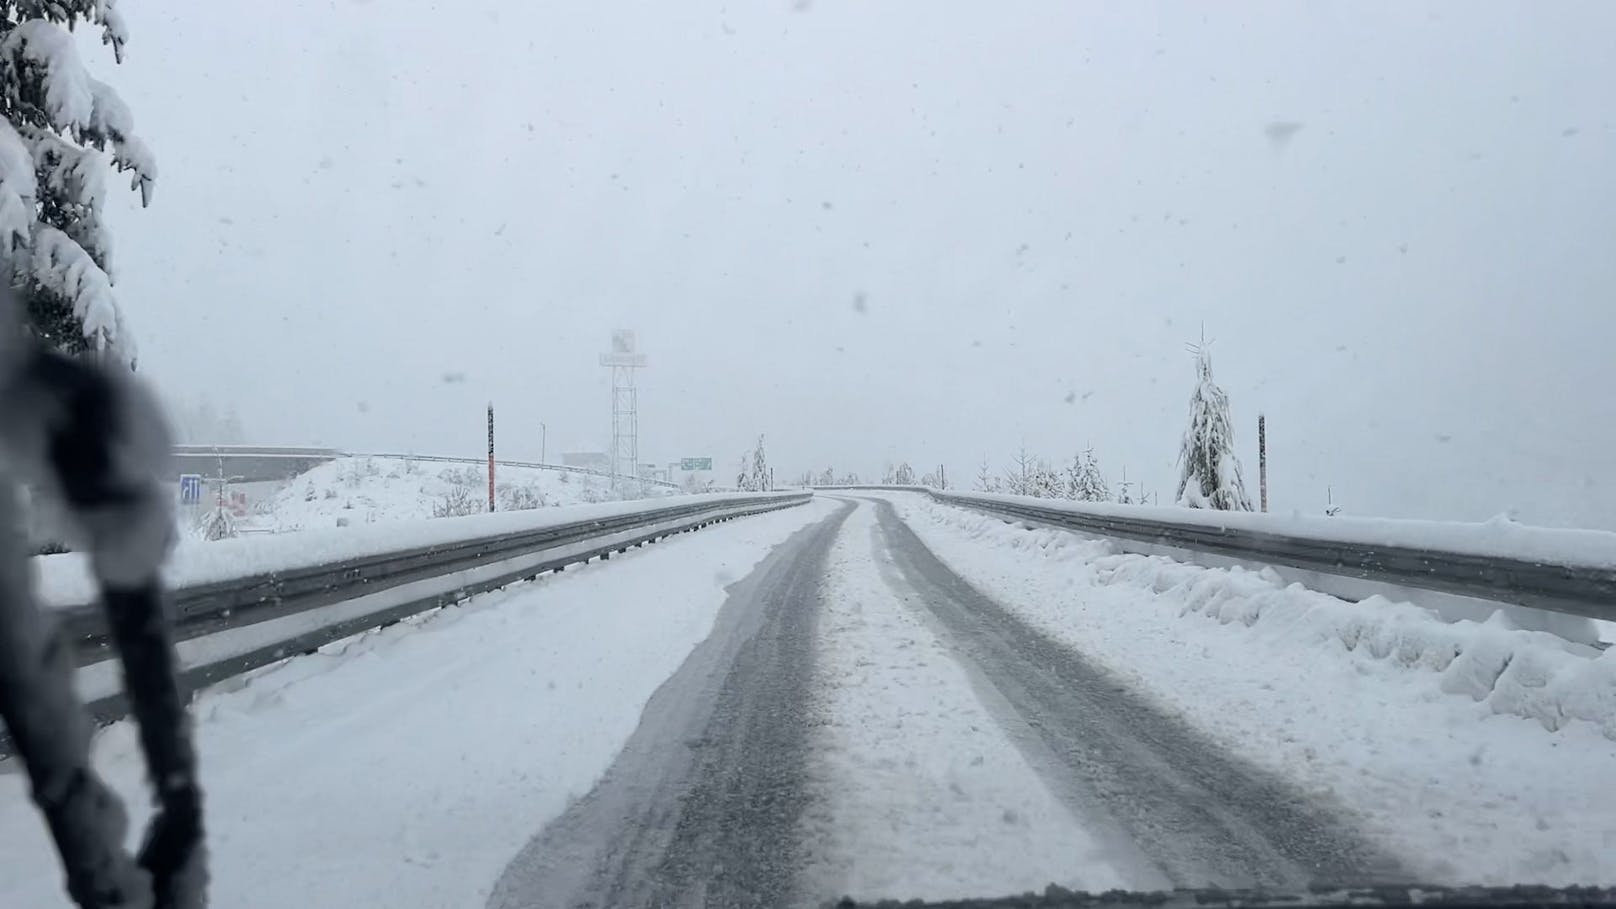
190,489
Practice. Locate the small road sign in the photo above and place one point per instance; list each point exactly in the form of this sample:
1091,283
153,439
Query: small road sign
696,464
190,489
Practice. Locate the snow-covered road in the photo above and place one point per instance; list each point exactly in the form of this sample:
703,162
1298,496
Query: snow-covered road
885,699
404,768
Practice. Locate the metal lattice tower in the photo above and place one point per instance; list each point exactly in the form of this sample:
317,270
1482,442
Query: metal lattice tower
623,360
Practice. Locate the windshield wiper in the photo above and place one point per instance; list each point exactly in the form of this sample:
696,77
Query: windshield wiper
93,439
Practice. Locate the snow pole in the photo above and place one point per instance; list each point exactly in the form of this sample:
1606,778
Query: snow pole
490,455
1262,459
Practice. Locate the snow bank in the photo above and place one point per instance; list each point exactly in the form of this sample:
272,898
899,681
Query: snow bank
1531,674
1479,752
65,579
1498,538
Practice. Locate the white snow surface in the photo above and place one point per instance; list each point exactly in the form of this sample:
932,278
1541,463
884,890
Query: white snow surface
371,490
65,579
922,793
1498,538
1479,752
405,767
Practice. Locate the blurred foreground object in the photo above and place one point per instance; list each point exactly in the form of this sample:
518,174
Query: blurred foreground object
91,438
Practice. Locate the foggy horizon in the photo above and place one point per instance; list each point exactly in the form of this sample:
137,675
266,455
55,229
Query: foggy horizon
922,233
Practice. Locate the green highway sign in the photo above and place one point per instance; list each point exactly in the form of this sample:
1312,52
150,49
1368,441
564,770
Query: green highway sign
696,464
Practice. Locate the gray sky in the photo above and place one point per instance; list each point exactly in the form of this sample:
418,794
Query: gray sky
1038,203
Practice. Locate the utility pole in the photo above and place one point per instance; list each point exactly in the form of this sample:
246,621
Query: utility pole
544,435
490,455
1262,459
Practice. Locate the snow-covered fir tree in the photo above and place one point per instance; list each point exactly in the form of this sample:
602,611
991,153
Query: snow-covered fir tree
1210,476
1045,482
848,479
761,479
62,130
1084,482
828,478
904,475
743,478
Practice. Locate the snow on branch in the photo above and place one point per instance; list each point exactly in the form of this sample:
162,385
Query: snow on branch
61,266
17,191
62,131
39,50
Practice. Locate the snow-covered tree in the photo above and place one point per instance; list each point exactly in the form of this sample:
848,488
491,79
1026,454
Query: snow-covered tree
985,480
1018,478
828,478
904,475
743,478
761,479
1084,482
62,130
848,479
1045,482
1210,475
1124,489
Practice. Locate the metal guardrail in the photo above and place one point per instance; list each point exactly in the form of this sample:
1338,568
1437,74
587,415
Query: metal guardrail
1581,590
290,461
1588,591
538,465
229,627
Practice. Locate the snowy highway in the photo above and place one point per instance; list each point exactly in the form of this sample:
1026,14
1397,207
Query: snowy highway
877,696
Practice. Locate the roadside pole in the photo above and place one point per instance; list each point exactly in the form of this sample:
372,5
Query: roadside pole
490,455
1262,459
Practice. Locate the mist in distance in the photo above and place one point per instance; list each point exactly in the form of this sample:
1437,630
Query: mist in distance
923,232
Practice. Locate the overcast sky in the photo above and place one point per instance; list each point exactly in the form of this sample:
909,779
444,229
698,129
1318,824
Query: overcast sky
924,231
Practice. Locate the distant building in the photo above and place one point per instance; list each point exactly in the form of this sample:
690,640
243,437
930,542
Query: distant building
590,460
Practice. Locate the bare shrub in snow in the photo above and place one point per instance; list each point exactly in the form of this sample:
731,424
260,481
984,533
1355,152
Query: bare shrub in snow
512,497
458,501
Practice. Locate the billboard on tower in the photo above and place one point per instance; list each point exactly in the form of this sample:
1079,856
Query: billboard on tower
624,351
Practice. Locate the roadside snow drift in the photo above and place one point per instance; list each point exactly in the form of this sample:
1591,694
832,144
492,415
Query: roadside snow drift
65,579
353,491
1484,751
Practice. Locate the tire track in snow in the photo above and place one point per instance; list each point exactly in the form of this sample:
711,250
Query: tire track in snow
918,791
1203,817
701,807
